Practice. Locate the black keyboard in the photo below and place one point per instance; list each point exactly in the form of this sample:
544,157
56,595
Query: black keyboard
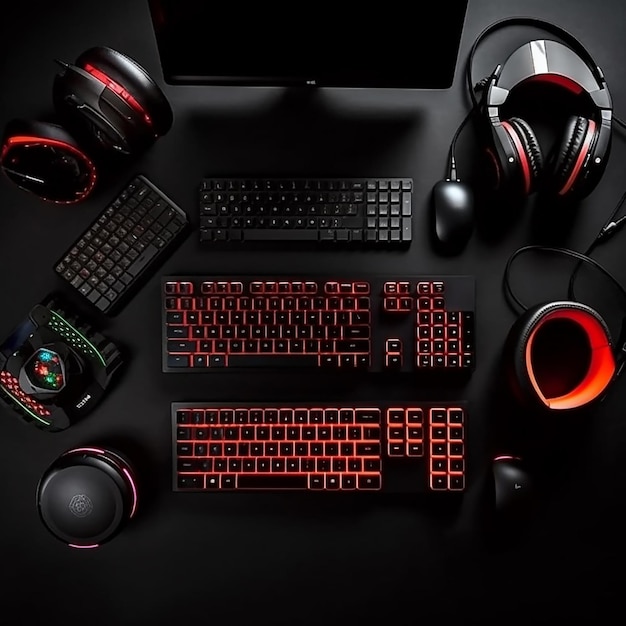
401,447
375,211
384,323
107,263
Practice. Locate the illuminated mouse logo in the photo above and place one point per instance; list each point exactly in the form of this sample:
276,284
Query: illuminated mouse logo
81,505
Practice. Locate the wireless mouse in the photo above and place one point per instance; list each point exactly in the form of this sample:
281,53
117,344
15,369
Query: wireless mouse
86,496
452,206
513,488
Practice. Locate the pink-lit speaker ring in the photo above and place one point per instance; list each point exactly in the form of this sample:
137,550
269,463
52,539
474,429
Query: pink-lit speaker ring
580,159
519,148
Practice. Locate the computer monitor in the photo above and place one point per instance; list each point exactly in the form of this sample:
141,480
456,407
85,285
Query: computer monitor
237,43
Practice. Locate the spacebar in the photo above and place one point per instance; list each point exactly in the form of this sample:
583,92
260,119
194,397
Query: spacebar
267,481
260,360
275,234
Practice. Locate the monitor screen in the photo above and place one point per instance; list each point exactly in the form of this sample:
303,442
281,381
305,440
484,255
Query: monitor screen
209,43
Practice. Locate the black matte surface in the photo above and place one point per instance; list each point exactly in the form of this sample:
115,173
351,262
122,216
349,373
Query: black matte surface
283,559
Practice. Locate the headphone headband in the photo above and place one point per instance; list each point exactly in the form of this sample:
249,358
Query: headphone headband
549,27
541,58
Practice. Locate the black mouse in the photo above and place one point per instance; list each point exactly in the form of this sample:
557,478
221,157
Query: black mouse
452,204
86,496
513,488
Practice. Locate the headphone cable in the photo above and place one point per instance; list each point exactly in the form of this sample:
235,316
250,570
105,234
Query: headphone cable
582,258
610,228
452,150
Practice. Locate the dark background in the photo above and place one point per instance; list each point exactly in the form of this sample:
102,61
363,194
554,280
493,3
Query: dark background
285,559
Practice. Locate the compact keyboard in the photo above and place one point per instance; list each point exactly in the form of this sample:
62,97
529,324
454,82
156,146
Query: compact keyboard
403,447
385,323
133,234
354,211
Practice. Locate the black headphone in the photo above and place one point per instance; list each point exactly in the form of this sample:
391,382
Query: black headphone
108,102
579,161
560,355
514,155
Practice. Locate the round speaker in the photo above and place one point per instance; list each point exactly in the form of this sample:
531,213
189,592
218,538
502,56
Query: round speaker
86,496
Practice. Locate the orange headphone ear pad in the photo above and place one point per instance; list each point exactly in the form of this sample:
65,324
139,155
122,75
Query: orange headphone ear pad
559,356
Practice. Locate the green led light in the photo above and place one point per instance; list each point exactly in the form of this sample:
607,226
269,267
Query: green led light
81,336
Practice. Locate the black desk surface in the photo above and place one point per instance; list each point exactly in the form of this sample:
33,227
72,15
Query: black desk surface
280,559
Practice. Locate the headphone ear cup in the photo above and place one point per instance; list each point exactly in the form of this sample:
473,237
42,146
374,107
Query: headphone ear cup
45,131
46,160
136,81
568,161
529,151
559,356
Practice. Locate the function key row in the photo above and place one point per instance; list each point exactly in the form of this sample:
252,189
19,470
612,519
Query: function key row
226,416
272,184
269,287
390,288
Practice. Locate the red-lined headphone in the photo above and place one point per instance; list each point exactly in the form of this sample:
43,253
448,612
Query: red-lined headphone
109,103
579,159
560,355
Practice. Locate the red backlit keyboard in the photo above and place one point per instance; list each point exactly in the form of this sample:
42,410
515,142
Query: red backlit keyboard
405,447
406,323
